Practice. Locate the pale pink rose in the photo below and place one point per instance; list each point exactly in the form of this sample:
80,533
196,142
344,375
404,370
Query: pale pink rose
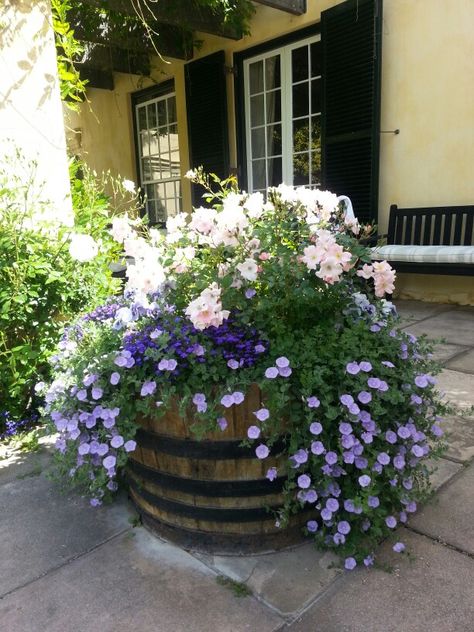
264,256
248,269
121,228
254,205
366,271
312,257
202,220
329,270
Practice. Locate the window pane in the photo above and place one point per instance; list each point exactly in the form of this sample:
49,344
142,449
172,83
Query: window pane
258,143
144,144
315,167
141,118
258,174
154,142
175,162
256,77
316,95
299,64
172,110
316,132
316,59
272,73
274,140
150,191
151,169
301,169
152,121
162,117
301,135
273,106
300,100
274,171
257,114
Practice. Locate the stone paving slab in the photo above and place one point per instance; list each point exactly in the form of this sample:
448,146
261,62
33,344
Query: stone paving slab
449,516
459,433
42,528
16,464
445,470
134,582
418,310
287,581
443,352
453,326
432,592
457,387
463,362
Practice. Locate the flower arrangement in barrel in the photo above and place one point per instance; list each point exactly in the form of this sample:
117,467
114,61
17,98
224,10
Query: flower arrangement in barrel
277,291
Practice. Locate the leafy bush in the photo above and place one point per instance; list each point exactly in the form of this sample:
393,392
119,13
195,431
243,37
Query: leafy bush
52,266
278,293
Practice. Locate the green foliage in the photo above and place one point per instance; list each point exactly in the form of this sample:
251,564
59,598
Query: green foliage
41,285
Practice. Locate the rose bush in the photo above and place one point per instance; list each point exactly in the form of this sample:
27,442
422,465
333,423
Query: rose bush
280,293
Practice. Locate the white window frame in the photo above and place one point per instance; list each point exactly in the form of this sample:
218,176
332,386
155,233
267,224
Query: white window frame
173,179
286,106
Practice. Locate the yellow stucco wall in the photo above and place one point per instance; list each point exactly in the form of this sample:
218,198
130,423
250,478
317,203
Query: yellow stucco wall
427,93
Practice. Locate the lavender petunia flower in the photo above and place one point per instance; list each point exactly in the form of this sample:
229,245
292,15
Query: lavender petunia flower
317,448
364,397
227,401
373,382
338,538
272,474
399,462
301,456
81,395
331,458
364,480
421,381
222,423
354,409
350,563
109,462
315,428
391,522
367,437
326,515
373,501
115,378
352,368
391,437
383,386
271,373
348,457
361,463
259,349
84,449
95,502
312,526
344,527
282,362
263,414
120,360
383,458
398,547
148,388
262,451
285,371
369,560
417,450
346,399
404,432
311,496
304,481
238,397
102,449
389,364
365,366
349,505
117,441
253,432
250,293
348,441
345,428
437,431
233,364
313,402
130,445
90,379
332,504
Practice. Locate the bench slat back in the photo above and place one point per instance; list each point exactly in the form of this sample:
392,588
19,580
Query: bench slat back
431,226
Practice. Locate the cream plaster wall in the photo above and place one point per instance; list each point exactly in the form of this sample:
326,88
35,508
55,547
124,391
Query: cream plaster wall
30,105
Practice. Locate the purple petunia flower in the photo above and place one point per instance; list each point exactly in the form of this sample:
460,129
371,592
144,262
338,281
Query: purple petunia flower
352,368
238,397
285,371
84,449
354,409
389,364
312,526
233,364
367,437
109,462
421,381
222,423
130,445
349,505
350,563
90,379
253,432
263,414
250,293
81,395
148,388
315,428
227,401
345,428
373,382
383,386
313,402
331,458
95,502
338,538
369,560
361,463
417,450
346,399
437,431
399,462
348,441
343,527
383,458
391,437
317,448
364,480
199,350
332,504
259,349
391,522
311,496
365,366
373,501
348,457
404,432
304,481
272,474
326,514
262,451
301,456
117,441
364,397
398,547
407,483
411,506
282,362
115,378
121,361
271,373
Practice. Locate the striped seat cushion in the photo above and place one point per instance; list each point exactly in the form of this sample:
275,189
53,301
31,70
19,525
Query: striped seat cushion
425,254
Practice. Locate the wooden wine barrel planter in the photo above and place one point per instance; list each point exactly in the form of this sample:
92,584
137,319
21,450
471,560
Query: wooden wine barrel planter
211,494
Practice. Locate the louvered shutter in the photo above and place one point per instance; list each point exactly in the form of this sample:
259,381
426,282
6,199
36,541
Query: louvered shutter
206,104
351,71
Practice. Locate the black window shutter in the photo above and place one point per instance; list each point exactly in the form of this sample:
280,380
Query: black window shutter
206,105
351,73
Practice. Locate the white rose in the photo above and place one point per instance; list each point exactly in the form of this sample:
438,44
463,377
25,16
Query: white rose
83,247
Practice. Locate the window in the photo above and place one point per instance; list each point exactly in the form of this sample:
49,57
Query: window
158,151
283,115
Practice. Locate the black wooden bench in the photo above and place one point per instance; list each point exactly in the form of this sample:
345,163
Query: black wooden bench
430,240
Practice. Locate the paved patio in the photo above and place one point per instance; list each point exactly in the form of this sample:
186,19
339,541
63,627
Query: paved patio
67,567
